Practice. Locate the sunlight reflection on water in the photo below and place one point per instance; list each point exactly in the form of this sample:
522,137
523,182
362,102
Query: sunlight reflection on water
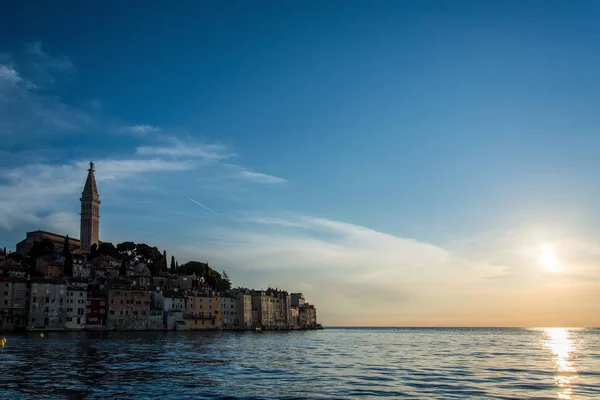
559,341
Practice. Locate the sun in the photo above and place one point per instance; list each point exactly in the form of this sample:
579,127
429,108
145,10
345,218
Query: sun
549,260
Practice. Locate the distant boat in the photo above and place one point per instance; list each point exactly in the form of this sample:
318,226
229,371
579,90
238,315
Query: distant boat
258,329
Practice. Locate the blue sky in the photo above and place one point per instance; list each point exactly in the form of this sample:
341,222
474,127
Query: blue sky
381,149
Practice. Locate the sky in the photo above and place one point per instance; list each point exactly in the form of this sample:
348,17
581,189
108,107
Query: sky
430,163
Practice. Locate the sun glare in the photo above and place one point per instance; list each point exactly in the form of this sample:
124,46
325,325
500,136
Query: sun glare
549,260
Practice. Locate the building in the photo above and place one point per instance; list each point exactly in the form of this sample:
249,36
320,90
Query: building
81,268
76,305
297,299
47,307
243,303
128,306
51,270
90,212
173,305
203,311
95,312
229,312
263,305
25,245
14,303
307,316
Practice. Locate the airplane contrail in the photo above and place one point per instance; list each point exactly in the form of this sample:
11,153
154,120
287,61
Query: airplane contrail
202,205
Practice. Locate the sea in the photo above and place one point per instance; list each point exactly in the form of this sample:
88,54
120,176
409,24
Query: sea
333,363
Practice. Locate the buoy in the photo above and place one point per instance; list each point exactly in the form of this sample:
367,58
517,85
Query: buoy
42,334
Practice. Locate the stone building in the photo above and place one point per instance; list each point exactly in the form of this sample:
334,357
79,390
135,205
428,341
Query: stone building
47,307
90,212
128,307
25,245
76,304
229,311
14,303
172,303
203,311
244,308
95,316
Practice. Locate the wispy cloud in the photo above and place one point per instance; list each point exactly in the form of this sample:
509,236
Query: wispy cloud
46,64
260,177
30,192
142,129
176,148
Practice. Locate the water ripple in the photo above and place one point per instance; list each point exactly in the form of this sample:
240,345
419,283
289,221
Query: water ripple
328,364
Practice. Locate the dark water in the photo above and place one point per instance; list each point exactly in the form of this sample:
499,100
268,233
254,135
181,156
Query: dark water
333,363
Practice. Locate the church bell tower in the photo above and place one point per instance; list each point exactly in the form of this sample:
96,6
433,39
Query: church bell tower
90,212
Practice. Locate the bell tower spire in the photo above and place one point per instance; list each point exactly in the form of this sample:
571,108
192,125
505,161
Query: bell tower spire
90,211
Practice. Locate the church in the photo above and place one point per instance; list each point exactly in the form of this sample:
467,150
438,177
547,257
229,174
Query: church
89,222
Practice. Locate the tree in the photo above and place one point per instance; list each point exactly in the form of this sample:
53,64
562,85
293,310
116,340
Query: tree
66,247
127,251
224,284
4,252
93,252
165,266
15,256
123,269
173,267
68,268
108,249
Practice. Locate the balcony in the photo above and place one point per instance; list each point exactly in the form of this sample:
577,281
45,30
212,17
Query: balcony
195,316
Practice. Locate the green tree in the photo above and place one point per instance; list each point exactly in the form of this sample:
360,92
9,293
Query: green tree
93,252
68,268
123,269
127,251
224,283
66,247
165,266
108,249
173,264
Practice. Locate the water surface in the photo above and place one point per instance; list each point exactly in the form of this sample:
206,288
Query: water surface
332,363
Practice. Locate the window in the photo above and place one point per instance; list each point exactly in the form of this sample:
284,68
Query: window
88,302
102,303
103,310
34,299
143,312
112,312
80,294
135,313
121,312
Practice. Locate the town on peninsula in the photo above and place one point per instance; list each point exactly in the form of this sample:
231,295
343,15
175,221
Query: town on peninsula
52,282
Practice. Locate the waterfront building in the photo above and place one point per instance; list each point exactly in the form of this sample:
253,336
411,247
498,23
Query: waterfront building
96,308
203,311
47,306
76,305
297,299
263,304
14,303
229,311
128,306
173,305
243,303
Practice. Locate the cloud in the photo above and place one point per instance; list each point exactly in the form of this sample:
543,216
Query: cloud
31,193
178,149
46,64
141,129
259,177
9,75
